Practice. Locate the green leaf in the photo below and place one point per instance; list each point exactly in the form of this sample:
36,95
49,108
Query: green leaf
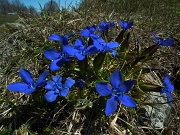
146,54
120,37
150,87
38,98
83,65
90,42
125,44
69,65
98,61
149,51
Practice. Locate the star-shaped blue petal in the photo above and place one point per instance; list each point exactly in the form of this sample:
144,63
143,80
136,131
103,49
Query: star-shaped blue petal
117,91
28,85
56,88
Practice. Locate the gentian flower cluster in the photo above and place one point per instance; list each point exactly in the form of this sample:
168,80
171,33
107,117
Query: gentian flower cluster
117,90
79,49
58,58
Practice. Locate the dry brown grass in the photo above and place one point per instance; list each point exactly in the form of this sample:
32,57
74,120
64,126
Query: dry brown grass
25,48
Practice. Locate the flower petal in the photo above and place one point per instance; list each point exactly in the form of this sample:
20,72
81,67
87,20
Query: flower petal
79,44
113,45
169,98
155,37
85,33
103,89
91,50
168,83
52,54
121,23
64,40
50,96
55,37
126,25
17,87
79,56
70,50
20,87
26,76
127,101
57,64
92,29
57,79
64,92
114,53
94,36
104,26
99,44
167,42
50,85
126,86
69,35
41,78
116,79
68,83
111,106
29,91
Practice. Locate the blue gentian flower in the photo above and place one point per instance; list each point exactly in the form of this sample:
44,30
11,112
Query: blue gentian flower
28,85
102,46
89,32
79,50
125,25
166,42
104,26
117,91
56,88
168,89
57,58
60,38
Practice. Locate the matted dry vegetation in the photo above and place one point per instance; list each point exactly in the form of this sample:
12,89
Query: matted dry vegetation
24,48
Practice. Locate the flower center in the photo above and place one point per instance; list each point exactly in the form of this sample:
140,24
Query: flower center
83,52
58,88
64,55
33,85
115,92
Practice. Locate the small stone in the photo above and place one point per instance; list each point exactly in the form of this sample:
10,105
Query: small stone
158,112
